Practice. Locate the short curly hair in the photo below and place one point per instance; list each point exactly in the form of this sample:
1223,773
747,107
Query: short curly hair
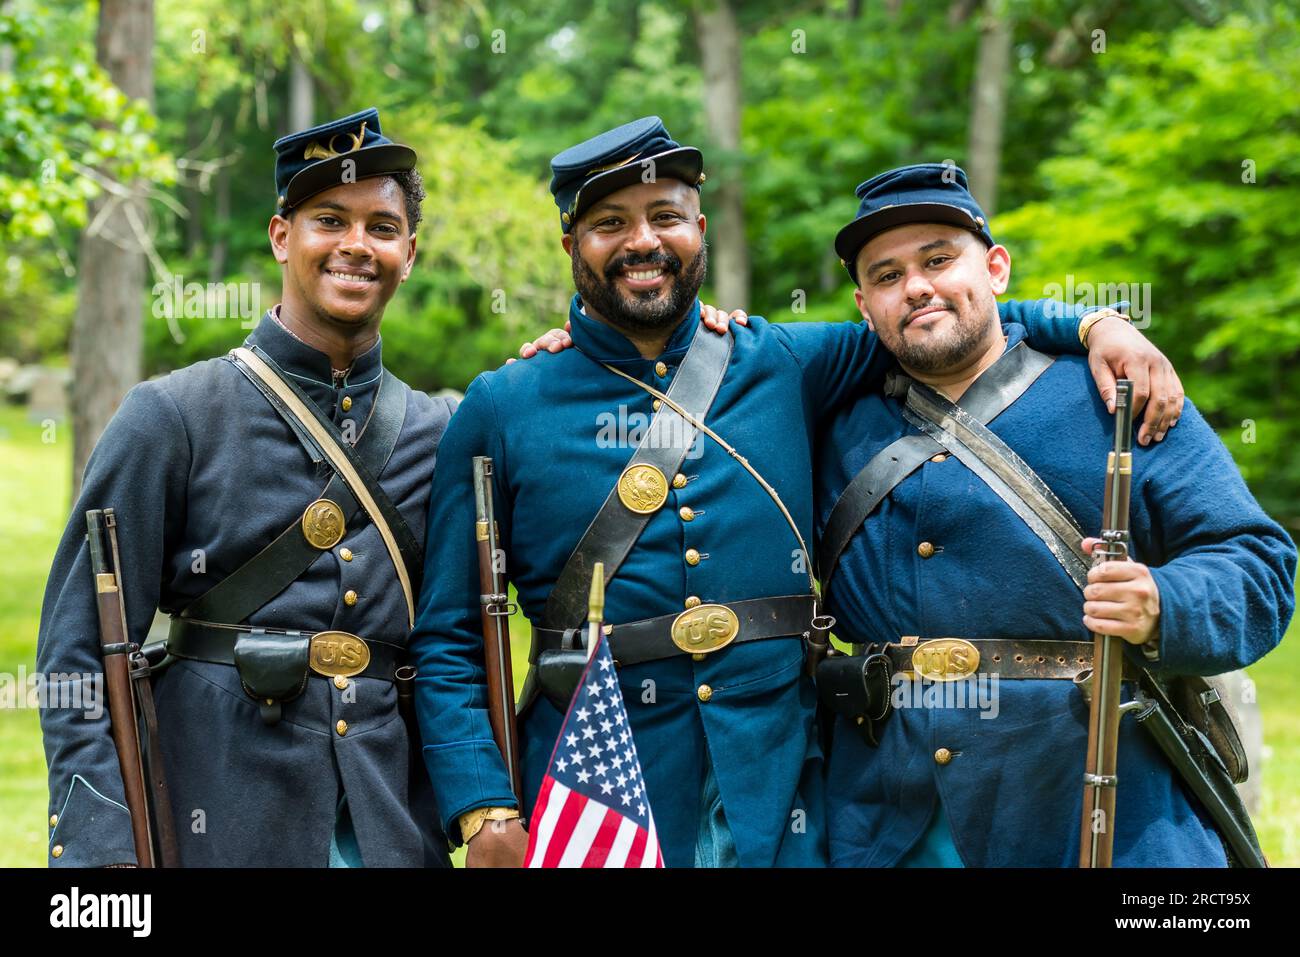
412,185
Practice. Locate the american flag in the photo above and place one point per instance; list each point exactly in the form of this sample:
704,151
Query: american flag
592,809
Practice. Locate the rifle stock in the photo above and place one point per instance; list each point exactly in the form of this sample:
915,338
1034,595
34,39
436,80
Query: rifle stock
116,650
495,608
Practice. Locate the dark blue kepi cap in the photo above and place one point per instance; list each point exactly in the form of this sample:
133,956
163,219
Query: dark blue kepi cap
620,157
314,160
924,193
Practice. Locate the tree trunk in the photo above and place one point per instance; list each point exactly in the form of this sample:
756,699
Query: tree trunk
719,38
989,104
107,334
302,95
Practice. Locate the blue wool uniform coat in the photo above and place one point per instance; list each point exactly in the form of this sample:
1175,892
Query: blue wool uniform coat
1012,790
547,424
203,474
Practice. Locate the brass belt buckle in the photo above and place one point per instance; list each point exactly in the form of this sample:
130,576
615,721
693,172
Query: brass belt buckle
338,654
705,628
945,659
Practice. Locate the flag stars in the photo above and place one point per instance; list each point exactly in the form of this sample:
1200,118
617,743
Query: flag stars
627,798
561,764
585,776
594,688
594,750
621,780
571,740
601,768
601,707
575,756
588,733
609,681
606,787
606,664
582,714
606,727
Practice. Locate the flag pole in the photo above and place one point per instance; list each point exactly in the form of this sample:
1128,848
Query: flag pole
595,608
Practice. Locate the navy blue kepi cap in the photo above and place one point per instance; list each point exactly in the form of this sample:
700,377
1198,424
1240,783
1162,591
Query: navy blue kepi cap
315,160
620,157
924,193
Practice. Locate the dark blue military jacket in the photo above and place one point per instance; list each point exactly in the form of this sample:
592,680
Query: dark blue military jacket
1012,790
547,424
203,474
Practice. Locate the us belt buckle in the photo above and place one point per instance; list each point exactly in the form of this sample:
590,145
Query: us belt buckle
338,654
945,659
705,628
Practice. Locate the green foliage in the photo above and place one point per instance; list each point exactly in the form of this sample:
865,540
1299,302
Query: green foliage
67,131
1184,173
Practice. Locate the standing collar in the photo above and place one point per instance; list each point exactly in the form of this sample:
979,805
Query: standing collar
303,362
604,343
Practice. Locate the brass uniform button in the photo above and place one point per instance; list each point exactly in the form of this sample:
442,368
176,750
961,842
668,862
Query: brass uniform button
54,820
679,480
349,597
692,556
345,554
698,657
942,756
346,403
655,404
661,369
341,727
687,514
939,458
925,549
340,682
693,601
56,850
704,693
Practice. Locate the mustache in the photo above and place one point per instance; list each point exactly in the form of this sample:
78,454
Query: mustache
670,263
932,304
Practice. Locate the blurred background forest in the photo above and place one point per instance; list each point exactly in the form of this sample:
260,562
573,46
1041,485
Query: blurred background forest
1127,149
1154,144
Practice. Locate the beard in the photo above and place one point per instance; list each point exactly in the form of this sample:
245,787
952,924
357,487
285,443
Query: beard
647,311
949,350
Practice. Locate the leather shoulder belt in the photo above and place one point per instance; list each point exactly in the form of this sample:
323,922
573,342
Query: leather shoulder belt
993,392
616,527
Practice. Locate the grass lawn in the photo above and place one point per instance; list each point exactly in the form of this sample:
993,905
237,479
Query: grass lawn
34,484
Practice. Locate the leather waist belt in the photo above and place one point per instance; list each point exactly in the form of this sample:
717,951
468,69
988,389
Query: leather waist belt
950,659
329,654
697,631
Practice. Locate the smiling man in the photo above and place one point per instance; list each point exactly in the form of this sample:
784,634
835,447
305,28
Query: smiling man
968,485
709,588
272,502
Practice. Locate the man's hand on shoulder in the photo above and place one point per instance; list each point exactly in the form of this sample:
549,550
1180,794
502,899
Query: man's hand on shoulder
1118,351
719,321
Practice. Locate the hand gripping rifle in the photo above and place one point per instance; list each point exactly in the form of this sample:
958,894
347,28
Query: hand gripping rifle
495,608
130,701
1102,684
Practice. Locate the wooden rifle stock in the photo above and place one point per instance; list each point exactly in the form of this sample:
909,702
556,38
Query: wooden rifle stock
1102,685
116,649
495,608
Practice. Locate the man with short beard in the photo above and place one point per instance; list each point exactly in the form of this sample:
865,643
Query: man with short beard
233,521
709,590
981,594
